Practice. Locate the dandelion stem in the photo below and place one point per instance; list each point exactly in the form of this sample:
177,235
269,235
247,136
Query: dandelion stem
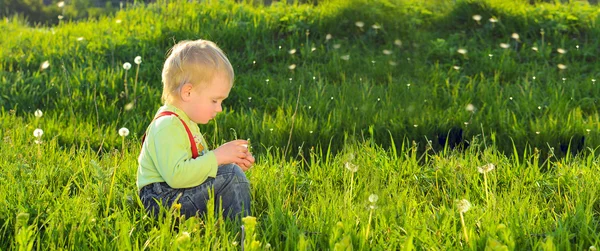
293,119
369,225
485,183
136,80
126,91
112,183
351,185
462,221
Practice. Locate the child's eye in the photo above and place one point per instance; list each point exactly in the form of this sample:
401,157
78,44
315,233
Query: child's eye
214,101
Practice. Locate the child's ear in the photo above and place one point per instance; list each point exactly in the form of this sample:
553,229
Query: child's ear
186,91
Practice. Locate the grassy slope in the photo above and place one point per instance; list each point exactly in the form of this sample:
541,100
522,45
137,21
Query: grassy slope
529,206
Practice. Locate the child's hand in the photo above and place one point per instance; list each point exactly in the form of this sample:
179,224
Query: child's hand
232,152
247,162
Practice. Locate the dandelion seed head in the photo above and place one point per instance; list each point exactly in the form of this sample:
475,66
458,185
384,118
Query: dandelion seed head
359,24
345,57
336,46
38,133
564,79
493,20
504,45
387,52
60,17
376,26
249,99
126,66
466,123
561,50
292,51
588,130
534,48
561,66
328,37
463,206
351,167
539,107
118,21
477,17
310,132
515,36
537,132
511,98
486,168
80,38
138,60
313,49
398,42
128,106
292,66
462,51
373,198
470,108
45,65
533,77
456,67
123,132
61,4
38,113
392,63
415,125
593,248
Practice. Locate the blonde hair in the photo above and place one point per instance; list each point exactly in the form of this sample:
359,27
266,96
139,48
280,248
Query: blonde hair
194,62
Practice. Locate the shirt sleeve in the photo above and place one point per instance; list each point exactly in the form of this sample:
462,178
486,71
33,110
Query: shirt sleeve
170,147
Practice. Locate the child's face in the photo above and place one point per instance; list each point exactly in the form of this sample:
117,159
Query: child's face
206,99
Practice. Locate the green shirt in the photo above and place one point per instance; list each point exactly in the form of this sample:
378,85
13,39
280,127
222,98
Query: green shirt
166,154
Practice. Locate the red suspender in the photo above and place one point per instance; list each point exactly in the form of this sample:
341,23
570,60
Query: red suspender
187,129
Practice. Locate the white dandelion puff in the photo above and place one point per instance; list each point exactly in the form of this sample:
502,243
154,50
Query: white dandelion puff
504,45
392,63
292,66
38,133
493,20
477,18
80,38
129,106
359,24
345,57
376,26
138,60
537,132
292,51
373,198
387,52
351,167
38,113
60,17
45,65
415,125
336,46
534,48
126,66
61,4
398,42
123,132
118,21
456,67
561,66
486,168
561,50
470,108
463,206
313,49
515,36
328,37
462,51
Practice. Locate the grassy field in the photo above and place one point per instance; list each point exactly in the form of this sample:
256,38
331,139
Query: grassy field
438,125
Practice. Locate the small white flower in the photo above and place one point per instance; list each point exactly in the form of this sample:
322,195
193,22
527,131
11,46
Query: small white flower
267,80
466,123
292,51
533,77
80,38
511,98
249,99
415,125
45,65
123,132
351,167
490,55
462,51
138,60
456,67
539,107
346,57
271,129
561,50
60,17
313,49
588,130
336,46
470,108
118,21
373,198
331,97
126,66
310,132
515,36
594,80
504,45
38,113
378,99
477,18
38,133
328,37
129,106
387,52
534,48
463,206
268,245
234,243
398,42
359,24
561,66
292,66
486,168
376,27
493,20
593,248
61,4
392,63
537,132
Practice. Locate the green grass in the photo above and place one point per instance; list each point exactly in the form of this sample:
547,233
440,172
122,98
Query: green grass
395,115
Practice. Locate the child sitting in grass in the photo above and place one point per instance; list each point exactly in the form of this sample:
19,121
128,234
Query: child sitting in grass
175,165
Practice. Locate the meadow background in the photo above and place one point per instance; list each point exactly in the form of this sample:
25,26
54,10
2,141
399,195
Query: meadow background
373,123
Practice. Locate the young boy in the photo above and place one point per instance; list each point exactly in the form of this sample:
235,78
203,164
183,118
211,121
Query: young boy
175,166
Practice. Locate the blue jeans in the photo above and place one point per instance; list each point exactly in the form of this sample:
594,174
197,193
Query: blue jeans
231,189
